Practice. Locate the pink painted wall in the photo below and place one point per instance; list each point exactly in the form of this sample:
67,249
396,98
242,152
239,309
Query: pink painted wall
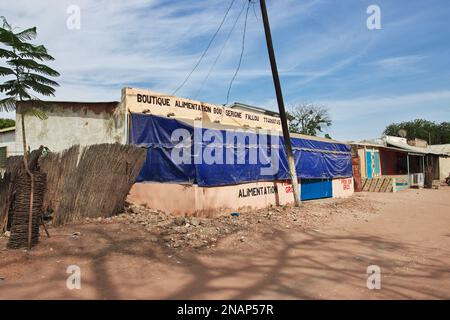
191,199
187,200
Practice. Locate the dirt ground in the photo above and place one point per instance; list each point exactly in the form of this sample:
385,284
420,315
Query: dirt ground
320,251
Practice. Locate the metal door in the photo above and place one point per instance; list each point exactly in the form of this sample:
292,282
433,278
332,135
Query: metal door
316,189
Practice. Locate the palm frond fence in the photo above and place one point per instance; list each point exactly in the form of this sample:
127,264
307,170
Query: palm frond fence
80,182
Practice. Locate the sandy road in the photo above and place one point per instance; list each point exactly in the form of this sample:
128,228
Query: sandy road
408,238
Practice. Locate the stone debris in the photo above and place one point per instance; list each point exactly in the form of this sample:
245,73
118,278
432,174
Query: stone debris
196,232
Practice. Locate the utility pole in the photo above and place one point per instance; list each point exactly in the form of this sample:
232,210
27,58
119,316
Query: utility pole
282,111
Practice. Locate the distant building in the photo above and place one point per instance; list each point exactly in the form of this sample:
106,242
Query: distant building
7,144
403,162
246,107
444,162
417,143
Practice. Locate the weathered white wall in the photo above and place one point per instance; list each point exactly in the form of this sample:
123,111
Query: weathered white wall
68,124
342,187
7,139
444,167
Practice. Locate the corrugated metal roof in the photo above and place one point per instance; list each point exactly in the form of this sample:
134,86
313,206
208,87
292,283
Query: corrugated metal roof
239,105
415,149
442,148
374,145
395,143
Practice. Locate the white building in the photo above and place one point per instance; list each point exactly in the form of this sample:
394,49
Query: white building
7,144
70,123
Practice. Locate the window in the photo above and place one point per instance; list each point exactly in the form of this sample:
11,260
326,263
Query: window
3,155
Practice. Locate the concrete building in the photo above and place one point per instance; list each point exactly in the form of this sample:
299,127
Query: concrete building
404,163
87,123
7,145
258,110
205,200
69,123
444,161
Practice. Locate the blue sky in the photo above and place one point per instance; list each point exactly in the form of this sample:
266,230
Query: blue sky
325,53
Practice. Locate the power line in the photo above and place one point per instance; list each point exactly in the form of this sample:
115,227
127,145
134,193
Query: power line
254,10
207,48
220,52
242,53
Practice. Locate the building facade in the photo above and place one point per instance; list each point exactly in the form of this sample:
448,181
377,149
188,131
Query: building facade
403,163
69,123
7,145
87,123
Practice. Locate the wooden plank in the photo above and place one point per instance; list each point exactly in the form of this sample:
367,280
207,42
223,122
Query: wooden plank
379,184
372,185
385,184
375,186
390,187
369,183
365,184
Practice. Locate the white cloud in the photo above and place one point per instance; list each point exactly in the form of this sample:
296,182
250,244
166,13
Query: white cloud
399,63
155,43
136,42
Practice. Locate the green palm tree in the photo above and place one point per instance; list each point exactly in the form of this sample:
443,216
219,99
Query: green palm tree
24,75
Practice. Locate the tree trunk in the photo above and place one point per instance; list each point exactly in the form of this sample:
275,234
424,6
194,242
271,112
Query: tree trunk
27,169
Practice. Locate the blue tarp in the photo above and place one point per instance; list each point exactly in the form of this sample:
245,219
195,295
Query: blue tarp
178,152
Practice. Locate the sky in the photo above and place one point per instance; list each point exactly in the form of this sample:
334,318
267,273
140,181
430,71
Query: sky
326,54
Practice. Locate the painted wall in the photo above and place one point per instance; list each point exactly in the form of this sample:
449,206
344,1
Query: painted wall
444,167
192,199
342,188
139,100
362,163
73,123
204,201
7,139
373,165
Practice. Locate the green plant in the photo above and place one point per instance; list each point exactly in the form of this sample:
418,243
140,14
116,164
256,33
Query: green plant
7,123
24,75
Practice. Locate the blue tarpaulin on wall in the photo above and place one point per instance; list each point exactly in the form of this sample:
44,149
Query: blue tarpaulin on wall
179,152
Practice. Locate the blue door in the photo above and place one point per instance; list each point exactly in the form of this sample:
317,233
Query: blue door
376,164
316,189
369,168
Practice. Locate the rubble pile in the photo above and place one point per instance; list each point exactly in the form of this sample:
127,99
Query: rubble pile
197,232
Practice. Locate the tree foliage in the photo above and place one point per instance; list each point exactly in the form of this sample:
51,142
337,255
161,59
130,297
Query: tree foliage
7,123
308,119
23,72
432,132
23,75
